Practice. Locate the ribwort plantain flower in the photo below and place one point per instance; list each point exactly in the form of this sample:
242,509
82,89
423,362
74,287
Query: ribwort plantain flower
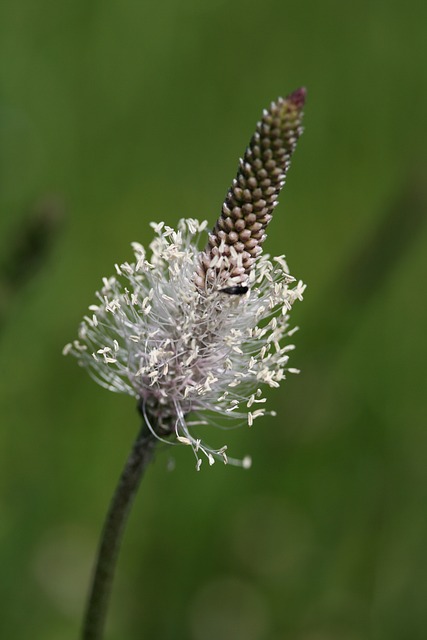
192,333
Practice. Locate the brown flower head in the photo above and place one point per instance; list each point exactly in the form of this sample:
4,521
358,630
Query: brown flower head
236,240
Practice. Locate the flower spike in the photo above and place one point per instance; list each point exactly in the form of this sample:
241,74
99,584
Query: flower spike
190,332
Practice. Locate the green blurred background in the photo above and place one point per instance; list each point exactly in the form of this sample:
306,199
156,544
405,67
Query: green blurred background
114,114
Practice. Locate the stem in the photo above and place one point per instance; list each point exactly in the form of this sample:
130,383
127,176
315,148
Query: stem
109,546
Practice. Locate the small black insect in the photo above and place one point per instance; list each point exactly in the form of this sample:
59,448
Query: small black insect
237,290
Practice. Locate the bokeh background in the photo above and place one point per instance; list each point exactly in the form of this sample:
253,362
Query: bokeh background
114,114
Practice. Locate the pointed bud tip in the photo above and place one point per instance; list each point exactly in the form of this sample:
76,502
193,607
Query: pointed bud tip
298,97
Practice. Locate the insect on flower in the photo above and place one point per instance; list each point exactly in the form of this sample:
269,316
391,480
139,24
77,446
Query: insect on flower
236,290
162,329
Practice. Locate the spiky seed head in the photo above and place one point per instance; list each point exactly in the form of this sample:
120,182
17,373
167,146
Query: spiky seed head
237,237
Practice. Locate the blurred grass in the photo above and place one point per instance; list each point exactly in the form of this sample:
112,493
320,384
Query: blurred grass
135,112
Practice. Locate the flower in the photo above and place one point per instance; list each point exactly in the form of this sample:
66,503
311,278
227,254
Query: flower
192,333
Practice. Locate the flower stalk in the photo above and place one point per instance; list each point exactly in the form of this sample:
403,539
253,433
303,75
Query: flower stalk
190,332
97,604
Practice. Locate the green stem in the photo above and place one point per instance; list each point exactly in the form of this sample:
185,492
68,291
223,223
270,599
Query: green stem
109,546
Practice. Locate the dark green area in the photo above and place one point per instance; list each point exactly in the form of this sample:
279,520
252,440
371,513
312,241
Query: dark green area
113,114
